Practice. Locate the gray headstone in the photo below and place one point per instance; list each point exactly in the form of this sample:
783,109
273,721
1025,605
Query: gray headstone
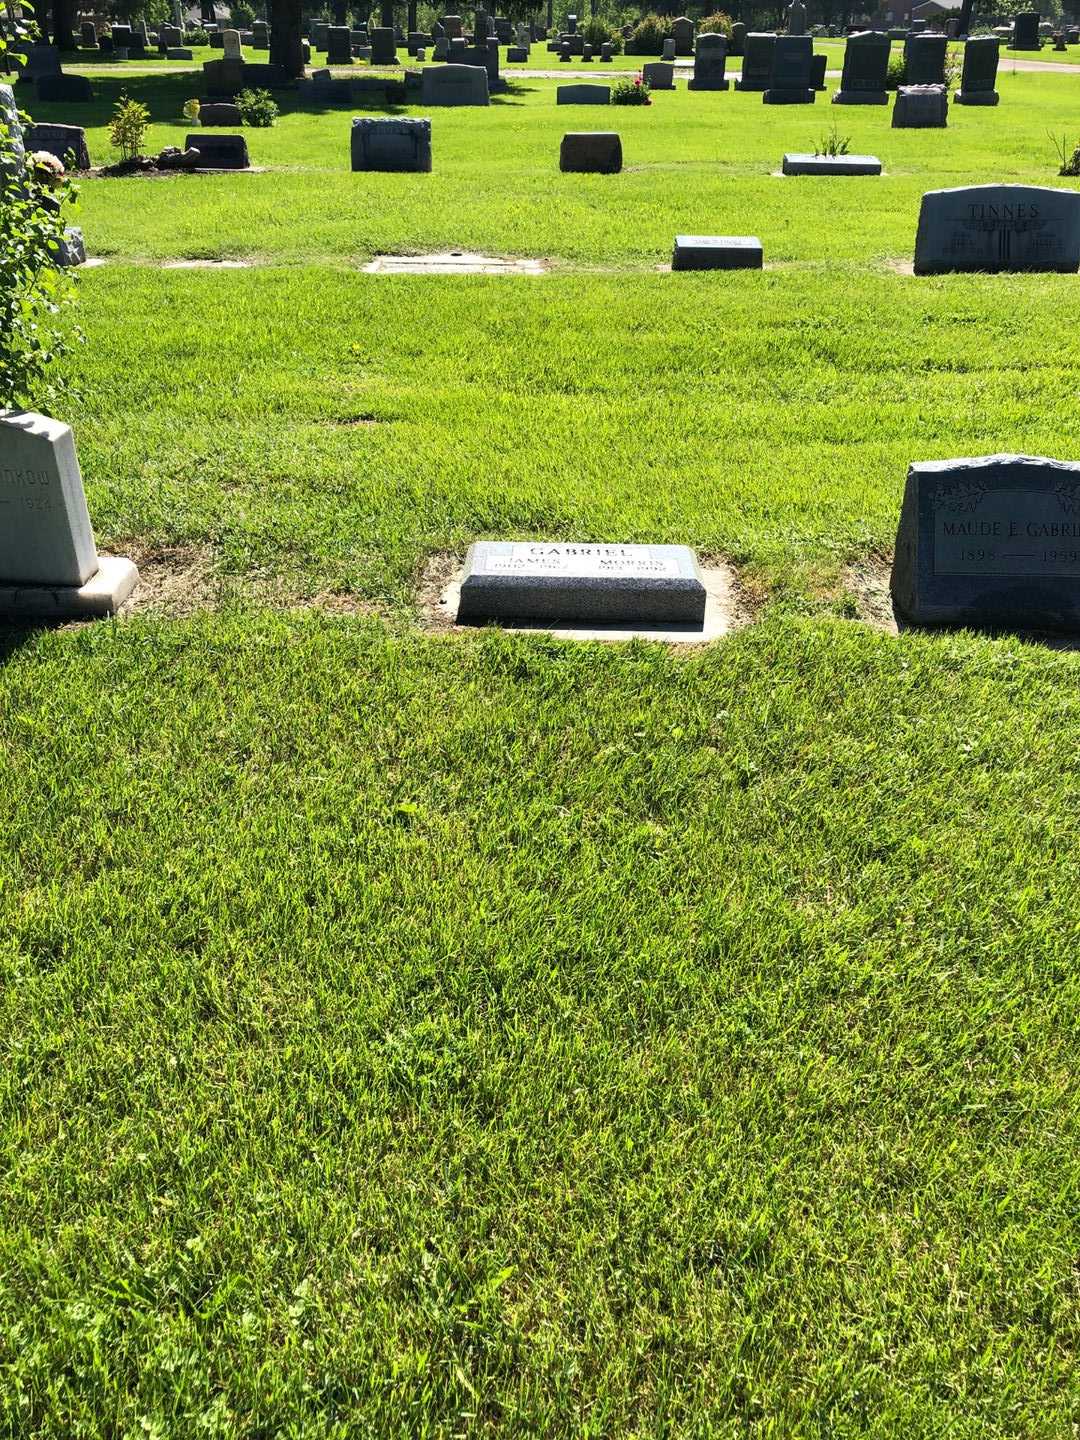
583,583
383,46
790,80
596,152
230,40
88,35
1025,34
682,31
338,45
669,49
180,53
583,95
452,24
979,76
998,227
41,60
391,144
925,55
59,140
991,541
658,75
921,107
757,61
45,534
866,65
219,152
717,252
455,85
219,112
710,61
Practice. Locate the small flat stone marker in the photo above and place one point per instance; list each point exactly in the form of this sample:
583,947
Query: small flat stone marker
717,252
49,565
831,165
632,584
991,541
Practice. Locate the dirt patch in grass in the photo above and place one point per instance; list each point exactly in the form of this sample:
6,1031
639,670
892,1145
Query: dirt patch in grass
867,583
900,267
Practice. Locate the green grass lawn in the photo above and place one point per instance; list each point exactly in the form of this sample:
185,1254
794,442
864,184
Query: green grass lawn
412,1034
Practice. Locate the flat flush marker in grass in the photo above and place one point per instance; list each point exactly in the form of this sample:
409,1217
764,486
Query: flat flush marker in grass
453,262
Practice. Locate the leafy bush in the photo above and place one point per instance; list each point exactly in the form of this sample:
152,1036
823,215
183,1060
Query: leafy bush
649,35
258,108
718,24
833,143
896,75
32,287
128,128
599,32
243,16
630,92
196,37
1070,164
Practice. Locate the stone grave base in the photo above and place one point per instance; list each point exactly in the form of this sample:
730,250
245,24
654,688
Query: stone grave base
861,97
831,165
976,97
789,97
454,262
102,595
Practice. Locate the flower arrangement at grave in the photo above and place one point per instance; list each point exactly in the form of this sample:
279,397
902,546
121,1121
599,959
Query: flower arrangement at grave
631,92
191,110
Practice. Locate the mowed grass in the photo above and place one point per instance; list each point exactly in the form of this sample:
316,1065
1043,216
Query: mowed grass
484,1035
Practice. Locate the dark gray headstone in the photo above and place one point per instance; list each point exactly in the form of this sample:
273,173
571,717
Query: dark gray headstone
391,144
60,140
717,252
757,61
925,56
338,45
64,89
219,112
219,152
1026,31
992,541
659,75
790,78
998,228
979,76
41,60
710,63
455,85
866,65
383,46
600,584
921,107
88,35
596,152
583,95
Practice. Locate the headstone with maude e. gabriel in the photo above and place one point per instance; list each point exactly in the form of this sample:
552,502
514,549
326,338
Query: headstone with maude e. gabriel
998,228
49,565
992,541
584,583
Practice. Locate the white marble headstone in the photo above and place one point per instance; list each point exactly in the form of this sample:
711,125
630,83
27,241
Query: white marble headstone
45,534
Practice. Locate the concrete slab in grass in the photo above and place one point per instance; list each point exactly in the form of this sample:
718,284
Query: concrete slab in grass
717,252
831,165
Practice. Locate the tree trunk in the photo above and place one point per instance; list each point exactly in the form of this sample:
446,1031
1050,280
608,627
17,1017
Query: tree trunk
41,20
387,14
286,43
964,27
63,30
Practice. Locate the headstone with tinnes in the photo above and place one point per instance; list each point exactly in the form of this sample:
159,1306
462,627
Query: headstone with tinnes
49,565
1025,34
710,61
658,75
979,76
866,66
757,61
383,46
63,141
338,45
682,31
789,82
921,107
455,85
925,55
391,144
992,541
600,584
717,252
597,152
583,95
998,228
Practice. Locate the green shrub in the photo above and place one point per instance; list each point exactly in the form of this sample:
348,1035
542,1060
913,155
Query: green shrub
32,287
1070,164
243,16
630,92
896,75
649,35
258,108
196,37
833,143
599,32
718,24
128,128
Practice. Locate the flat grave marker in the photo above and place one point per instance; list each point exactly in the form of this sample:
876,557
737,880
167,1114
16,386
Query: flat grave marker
717,252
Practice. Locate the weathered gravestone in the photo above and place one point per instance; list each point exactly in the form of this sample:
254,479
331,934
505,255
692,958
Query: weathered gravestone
831,165
607,50
219,112
595,152
583,95
717,252
219,152
1025,34
925,58
921,107
979,76
790,80
998,228
710,62
338,45
41,60
64,89
383,46
391,144
866,65
88,35
171,37
600,584
682,31
668,51
757,62
990,541
455,85
63,141
49,565
231,44
452,25
659,75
